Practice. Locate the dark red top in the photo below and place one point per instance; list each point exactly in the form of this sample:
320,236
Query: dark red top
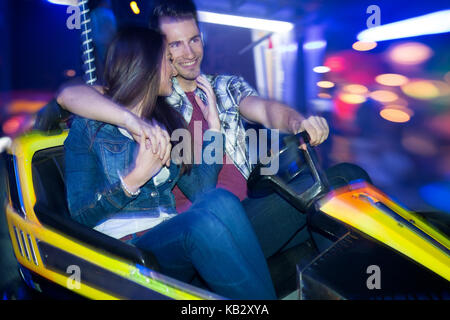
229,177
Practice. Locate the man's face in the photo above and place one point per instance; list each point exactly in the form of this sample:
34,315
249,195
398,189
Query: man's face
185,45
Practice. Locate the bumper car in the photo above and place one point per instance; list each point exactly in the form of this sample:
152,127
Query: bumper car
377,248
50,248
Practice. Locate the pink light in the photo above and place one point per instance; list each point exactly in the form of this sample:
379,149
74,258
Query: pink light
12,125
335,63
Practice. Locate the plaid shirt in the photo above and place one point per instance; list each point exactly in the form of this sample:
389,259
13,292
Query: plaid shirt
230,91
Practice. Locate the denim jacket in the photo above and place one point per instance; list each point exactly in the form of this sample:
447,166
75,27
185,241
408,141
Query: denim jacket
96,153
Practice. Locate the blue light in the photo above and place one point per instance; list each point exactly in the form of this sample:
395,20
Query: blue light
64,2
437,22
311,45
437,195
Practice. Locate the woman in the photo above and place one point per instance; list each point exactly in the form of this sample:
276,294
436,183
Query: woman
123,188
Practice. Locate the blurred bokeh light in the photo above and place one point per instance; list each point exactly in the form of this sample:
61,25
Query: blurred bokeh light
383,96
325,84
23,105
16,124
134,7
425,89
335,63
321,69
391,79
352,98
364,45
324,95
410,53
70,73
395,114
356,89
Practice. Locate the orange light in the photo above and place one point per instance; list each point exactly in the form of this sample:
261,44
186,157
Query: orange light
325,84
395,115
11,126
22,105
391,79
384,96
403,108
324,95
352,98
410,53
422,89
70,73
355,89
134,7
364,46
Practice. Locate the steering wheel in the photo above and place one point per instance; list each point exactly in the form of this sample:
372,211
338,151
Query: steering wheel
292,162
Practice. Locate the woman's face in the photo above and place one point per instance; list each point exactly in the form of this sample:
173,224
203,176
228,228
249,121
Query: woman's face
167,72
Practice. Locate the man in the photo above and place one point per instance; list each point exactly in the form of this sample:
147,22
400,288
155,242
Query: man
275,221
186,47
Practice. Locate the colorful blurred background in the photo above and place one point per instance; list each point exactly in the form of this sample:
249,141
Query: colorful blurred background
385,91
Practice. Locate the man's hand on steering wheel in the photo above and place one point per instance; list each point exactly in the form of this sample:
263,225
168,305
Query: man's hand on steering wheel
316,127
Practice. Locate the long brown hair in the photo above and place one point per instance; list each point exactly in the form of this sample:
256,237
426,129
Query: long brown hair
132,75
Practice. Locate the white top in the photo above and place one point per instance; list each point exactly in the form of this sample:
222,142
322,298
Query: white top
128,223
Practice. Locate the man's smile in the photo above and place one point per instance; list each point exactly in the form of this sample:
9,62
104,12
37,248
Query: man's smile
188,63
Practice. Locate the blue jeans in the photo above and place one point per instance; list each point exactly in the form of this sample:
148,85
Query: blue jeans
276,221
215,239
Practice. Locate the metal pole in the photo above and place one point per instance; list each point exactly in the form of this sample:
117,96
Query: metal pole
87,44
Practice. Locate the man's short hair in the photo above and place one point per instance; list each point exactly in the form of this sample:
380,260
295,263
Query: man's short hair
177,9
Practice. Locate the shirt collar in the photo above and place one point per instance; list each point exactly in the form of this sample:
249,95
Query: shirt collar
179,94
177,88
